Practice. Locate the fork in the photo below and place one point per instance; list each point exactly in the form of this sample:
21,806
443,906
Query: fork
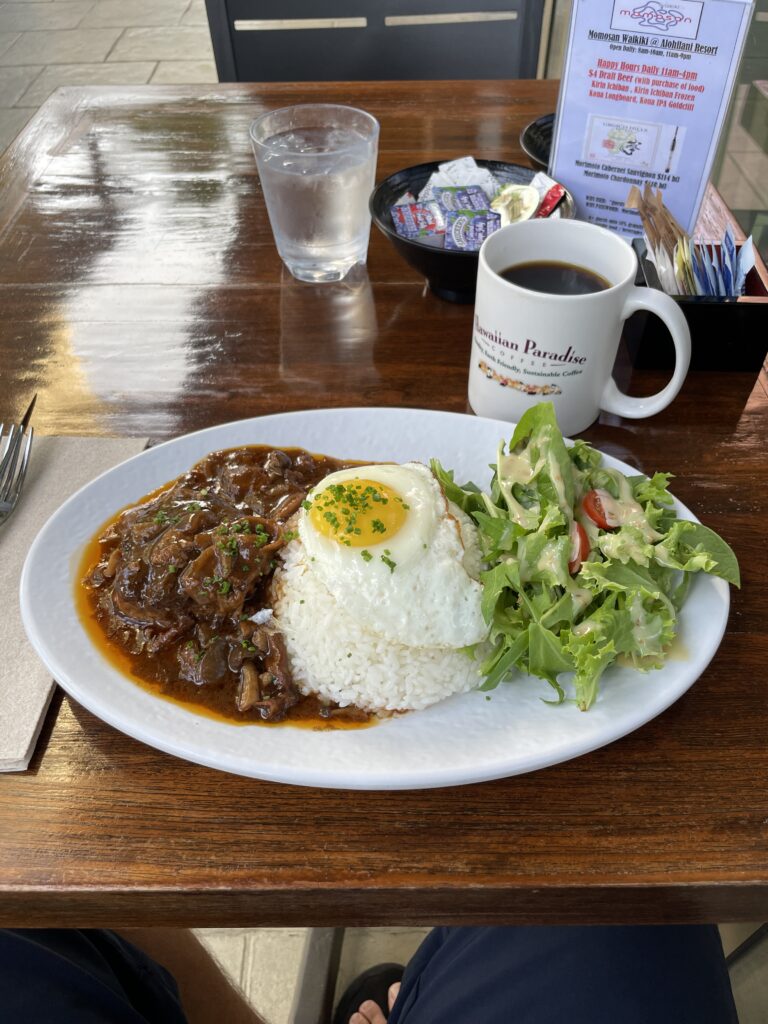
14,458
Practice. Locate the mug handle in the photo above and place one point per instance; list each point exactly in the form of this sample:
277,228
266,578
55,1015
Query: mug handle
662,305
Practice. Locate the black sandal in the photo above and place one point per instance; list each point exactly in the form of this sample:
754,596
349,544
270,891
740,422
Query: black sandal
371,984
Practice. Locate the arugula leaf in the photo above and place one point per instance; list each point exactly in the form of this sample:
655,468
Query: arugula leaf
547,658
468,498
506,659
497,535
495,581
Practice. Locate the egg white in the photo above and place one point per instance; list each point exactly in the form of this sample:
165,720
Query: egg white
428,599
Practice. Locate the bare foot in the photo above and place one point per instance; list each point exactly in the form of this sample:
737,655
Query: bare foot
371,1013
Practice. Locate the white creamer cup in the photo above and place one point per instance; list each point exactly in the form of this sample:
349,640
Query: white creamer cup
530,346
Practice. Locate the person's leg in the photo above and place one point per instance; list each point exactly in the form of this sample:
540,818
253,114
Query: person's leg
73,976
207,995
585,975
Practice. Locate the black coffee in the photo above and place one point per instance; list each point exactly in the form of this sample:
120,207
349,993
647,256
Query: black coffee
555,278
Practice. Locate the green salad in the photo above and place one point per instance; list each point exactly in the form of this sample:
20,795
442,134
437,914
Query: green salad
585,565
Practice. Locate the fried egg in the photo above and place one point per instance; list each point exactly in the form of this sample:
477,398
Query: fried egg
394,554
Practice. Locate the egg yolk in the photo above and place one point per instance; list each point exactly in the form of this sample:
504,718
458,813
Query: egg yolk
357,513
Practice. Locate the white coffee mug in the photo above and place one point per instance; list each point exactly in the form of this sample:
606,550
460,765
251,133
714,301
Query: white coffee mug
529,346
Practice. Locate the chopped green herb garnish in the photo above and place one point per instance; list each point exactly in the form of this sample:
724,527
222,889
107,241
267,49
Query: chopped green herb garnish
223,586
389,563
332,518
378,527
366,555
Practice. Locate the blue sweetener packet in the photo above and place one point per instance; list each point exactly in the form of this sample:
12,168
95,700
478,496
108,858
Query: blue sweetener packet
466,230
709,270
720,281
460,197
729,260
699,271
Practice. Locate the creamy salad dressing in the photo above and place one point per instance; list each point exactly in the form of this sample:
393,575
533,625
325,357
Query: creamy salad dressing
589,527
645,628
626,511
557,479
515,469
549,561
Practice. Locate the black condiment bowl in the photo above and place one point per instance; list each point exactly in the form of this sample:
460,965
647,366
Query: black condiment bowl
536,140
451,275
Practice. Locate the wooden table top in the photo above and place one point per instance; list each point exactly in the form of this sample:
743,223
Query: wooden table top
142,295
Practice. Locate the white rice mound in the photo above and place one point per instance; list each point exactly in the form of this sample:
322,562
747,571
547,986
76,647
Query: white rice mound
331,655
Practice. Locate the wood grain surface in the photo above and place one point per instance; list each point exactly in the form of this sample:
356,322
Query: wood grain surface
142,295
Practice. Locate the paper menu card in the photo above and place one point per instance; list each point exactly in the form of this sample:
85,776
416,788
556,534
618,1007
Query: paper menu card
58,466
645,90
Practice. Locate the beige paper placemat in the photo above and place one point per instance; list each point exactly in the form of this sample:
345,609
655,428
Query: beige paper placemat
58,466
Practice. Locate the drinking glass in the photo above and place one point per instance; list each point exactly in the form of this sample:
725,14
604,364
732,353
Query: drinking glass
317,164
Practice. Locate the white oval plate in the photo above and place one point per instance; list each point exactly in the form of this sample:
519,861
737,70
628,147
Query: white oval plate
464,739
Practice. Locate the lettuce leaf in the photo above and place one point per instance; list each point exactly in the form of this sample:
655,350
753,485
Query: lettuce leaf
695,548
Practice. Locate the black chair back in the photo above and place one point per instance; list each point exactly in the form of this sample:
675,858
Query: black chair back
355,40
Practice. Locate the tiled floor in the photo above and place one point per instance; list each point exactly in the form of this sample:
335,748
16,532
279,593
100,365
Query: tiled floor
48,43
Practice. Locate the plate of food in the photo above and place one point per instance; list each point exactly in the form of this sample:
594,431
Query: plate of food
376,598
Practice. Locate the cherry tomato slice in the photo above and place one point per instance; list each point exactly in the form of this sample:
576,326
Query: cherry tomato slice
579,547
593,505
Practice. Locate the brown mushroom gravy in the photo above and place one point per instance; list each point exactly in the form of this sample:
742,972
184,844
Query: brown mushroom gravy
168,588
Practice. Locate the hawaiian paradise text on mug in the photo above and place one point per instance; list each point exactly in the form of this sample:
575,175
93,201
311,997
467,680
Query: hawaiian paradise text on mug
529,345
